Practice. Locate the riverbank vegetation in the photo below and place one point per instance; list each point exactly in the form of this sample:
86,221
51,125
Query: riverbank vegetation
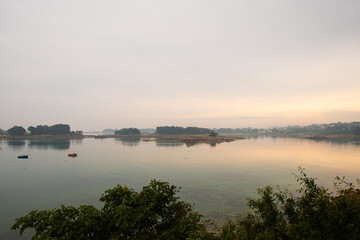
191,140
41,130
16,131
157,213
166,130
128,131
340,128
57,129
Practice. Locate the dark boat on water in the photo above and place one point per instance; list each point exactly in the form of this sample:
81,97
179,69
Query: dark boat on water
72,155
23,156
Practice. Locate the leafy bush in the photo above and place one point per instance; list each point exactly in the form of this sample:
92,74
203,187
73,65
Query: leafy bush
156,213
153,213
57,129
180,130
16,131
316,214
128,131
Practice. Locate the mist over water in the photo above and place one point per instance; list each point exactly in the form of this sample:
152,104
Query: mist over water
217,179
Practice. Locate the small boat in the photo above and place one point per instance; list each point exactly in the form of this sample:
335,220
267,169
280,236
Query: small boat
72,155
23,156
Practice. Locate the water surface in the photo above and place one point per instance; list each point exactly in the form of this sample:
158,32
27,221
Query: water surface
217,179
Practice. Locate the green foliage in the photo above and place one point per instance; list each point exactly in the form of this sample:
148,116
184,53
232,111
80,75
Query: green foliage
315,214
17,131
63,223
347,209
153,213
128,131
323,129
57,129
240,130
39,130
181,130
156,213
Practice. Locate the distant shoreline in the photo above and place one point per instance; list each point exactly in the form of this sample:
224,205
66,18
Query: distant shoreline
26,137
190,139
300,135
181,138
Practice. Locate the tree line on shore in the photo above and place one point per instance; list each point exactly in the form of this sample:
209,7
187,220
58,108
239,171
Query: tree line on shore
127,131
57,129
181,130
352,128
164,130
64,129
157,213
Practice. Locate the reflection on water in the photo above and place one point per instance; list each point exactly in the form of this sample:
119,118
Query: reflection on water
343,141
340,141
216,179
41,144
129,141
190,144
16,144
169,144
76,141
56,144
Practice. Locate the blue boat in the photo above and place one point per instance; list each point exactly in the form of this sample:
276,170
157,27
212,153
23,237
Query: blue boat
23,156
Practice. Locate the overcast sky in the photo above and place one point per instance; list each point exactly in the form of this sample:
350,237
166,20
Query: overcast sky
114,64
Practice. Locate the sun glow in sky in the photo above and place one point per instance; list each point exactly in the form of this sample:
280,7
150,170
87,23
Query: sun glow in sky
112,64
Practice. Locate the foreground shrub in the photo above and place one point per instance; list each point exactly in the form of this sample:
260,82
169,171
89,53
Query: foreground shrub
153,213
315,214
156,213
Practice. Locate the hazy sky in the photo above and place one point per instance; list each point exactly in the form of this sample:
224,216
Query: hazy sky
114,64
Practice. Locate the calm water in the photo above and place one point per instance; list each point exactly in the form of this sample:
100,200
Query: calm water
217,179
